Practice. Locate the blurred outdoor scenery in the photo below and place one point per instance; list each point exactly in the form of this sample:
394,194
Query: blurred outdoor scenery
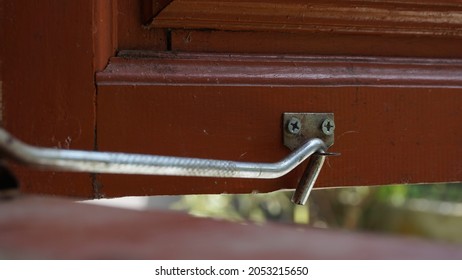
429,211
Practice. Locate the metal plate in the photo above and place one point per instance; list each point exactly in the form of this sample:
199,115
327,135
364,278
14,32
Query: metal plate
299,127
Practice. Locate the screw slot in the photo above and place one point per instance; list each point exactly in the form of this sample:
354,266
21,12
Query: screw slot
328,126
294,125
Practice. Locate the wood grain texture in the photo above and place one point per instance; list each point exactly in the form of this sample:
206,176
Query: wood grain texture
151,8
46,228
49,89
398,115
105,32
131,32
358,28
296,16
247,42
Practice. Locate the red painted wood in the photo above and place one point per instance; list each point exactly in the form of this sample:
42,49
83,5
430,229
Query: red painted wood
406,122
295,16
37,228
48,92
130,29
105,37
151,8
157,68
49,88
338,27
314,44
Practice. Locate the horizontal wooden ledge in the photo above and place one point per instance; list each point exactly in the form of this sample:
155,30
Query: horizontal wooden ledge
157,68
52,228
430,18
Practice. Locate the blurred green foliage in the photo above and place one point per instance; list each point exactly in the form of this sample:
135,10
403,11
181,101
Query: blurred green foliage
385,208
440,192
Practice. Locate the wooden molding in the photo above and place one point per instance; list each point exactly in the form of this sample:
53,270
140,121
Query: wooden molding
395,17
151,8
105,34
135,67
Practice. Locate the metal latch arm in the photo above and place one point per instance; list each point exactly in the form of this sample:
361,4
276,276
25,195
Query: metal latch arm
125,163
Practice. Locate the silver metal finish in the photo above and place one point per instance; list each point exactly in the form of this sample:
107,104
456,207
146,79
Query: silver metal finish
312,125
294,125
328,126
123,163
306,183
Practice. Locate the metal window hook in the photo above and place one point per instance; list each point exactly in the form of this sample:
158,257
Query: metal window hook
125,163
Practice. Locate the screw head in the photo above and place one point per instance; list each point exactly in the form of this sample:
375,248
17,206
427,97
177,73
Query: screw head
294,125
328,126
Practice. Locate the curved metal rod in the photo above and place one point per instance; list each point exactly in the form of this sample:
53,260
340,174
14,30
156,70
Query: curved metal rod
124,163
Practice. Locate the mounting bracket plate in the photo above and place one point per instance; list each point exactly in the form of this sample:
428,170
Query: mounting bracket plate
300,127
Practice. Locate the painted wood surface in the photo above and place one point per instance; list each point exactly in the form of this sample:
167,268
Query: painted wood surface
245,42
338,27
391,114
296,16
131,32
50,228
48,89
